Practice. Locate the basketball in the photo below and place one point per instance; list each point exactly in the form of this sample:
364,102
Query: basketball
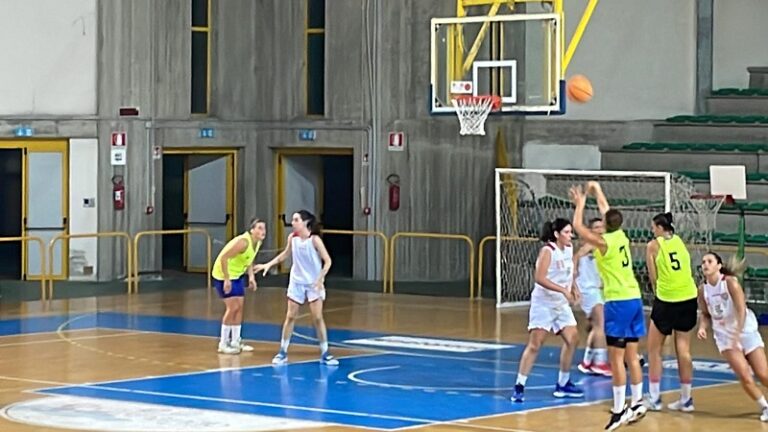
579,89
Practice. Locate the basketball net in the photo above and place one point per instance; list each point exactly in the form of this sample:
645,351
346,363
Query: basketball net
707,206
473,111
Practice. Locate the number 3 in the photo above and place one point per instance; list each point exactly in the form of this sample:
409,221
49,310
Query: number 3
625,261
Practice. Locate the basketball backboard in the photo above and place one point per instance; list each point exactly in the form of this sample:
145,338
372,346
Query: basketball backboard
516,57
728,180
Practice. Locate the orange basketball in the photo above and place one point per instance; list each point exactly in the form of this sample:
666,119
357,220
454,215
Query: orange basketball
579,89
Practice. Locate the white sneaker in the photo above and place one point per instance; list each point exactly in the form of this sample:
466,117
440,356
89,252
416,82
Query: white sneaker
244,347
638,412
764,415
228,349
653,405
679,405
280,358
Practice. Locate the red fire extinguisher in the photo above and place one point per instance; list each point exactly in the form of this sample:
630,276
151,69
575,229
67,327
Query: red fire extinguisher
394,191
118,192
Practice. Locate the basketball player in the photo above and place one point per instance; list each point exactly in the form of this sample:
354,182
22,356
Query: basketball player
228,275
591,288
674,310
624,321
724,310
310,264
553,293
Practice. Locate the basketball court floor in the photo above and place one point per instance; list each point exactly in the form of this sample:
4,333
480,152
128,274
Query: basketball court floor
148,362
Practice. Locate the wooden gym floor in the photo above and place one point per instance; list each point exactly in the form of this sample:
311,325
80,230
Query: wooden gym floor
149,362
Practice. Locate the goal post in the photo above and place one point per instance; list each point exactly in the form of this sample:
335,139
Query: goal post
526,198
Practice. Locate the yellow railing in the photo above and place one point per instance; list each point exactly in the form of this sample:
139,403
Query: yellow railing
139,235
438,236
42,257
385,243
481,255
109,234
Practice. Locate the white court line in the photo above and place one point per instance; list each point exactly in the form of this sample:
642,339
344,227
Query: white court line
180,374
354,377
212,399
545,408
59,340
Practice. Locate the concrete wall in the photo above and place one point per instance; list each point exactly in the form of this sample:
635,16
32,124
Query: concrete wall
49,57
640,57
641,63
739,40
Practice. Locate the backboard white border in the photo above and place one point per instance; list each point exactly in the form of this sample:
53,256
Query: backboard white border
728,180
554,108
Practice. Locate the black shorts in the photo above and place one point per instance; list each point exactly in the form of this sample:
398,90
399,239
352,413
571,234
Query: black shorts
677,316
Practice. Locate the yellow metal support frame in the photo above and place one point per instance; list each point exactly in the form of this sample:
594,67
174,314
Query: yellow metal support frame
141,234
38,240
439,236
110,234
385,243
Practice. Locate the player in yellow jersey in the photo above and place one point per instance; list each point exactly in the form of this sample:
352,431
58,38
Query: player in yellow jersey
624,320
674,309
229,271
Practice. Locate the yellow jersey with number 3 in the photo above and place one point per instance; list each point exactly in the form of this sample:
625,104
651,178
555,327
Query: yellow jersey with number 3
615,268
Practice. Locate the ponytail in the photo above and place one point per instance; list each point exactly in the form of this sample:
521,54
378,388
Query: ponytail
735,266
664,220
313,225
549,229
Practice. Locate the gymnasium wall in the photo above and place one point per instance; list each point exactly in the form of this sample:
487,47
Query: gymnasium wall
49,57
739,39
640,57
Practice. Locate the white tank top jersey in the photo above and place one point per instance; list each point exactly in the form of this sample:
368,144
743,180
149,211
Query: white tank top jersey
560,271
722,311
588,277
306,264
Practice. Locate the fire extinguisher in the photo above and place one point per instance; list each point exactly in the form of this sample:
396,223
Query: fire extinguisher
394,191
118,192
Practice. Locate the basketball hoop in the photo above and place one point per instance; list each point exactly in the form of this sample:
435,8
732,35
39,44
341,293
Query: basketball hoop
473,111
706,207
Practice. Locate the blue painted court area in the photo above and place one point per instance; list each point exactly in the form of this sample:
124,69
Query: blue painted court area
402,381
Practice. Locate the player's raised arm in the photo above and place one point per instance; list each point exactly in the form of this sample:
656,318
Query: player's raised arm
593,187
580,200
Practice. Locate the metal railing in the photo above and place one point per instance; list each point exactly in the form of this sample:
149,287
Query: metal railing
385,243
39,241
187,232
438,236
97,235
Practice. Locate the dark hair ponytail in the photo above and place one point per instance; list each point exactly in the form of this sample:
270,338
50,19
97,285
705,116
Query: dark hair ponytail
312,223
549,229
664,220
735,266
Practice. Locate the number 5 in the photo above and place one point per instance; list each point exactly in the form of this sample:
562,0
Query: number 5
675,262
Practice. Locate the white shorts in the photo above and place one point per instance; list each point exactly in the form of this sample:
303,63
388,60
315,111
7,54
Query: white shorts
749,342
551,319
303,293
591,298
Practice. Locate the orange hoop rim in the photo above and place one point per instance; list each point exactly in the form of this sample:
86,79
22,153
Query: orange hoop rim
495,100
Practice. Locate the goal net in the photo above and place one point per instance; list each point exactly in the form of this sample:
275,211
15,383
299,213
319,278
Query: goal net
525,199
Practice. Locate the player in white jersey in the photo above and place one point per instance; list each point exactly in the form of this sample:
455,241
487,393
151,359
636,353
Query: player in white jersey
551,299
724,310
310,264
590,285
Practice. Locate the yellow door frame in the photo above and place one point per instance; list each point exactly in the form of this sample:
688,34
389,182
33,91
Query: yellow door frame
42,146
279,180
231,193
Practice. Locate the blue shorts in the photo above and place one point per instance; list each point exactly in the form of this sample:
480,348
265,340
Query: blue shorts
238,287
624,319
